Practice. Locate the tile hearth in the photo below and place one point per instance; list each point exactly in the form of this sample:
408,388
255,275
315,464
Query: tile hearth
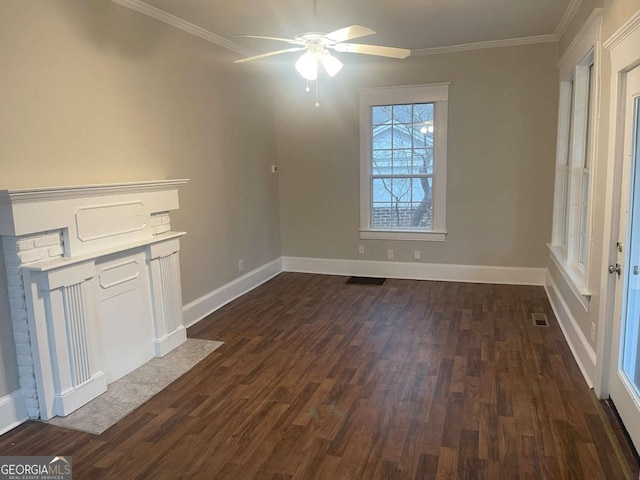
132,390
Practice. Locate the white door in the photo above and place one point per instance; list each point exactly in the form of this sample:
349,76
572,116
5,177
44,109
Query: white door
624,387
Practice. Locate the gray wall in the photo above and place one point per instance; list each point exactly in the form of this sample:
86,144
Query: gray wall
501,145
94,92
617,12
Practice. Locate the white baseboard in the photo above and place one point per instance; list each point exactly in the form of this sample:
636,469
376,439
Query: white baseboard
13,411
417,271
209,303
583,352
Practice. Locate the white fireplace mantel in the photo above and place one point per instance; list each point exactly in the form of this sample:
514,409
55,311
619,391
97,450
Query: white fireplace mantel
95,215
94,286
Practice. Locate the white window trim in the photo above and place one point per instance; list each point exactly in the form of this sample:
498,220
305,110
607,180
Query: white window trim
572,276
579,151
584,50
562,154
437,93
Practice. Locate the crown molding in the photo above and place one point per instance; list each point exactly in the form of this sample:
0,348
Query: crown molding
211,37
567,17
183,25
509,42
587,37
623,32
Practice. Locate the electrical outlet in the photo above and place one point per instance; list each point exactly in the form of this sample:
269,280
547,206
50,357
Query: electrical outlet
274,168
390,254
240,265
361,249
417,255
593,331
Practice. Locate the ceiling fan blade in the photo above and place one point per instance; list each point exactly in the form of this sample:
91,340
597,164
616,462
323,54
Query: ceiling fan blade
349,33
277,39
270,54
378,50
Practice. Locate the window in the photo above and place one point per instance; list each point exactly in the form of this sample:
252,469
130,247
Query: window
566,169
584,204
571,228
403,154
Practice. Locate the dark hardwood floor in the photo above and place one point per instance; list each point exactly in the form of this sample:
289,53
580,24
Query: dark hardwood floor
319,379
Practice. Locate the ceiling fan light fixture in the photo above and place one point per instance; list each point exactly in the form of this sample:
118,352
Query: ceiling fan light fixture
427,127
307,66
317,48
330,63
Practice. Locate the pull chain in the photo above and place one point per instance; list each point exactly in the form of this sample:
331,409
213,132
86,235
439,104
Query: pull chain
315,22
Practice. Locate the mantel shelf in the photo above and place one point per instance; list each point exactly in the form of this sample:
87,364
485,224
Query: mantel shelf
47,265
19,195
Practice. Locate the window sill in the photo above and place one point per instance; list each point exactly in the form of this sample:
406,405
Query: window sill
572,275
412,235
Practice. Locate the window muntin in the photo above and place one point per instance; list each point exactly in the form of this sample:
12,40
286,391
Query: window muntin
402,166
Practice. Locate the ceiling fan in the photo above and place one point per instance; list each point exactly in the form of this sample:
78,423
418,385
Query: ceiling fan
317,46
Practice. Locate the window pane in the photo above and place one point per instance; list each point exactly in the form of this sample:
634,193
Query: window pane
381,137
419,160
381,215
381,114
381,190
422,138
421,202
402,162
565,199
570,130
402,113
426,134
401,190
382,162
423,112
402,203
582,254
589,109
565,208
423,161
402,136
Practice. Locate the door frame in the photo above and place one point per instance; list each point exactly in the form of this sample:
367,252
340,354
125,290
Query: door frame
624,48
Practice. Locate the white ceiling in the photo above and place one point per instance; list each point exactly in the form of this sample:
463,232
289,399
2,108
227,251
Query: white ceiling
414,24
